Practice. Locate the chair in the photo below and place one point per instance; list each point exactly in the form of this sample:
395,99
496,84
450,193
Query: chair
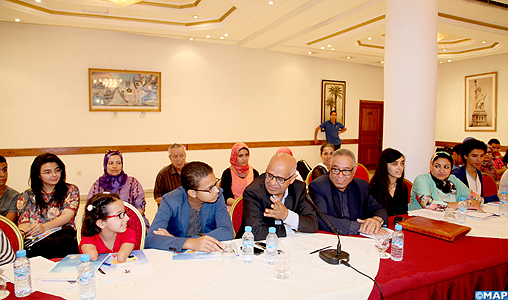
362,172
136,223
489,187
12,233
309,178
236,213
409,186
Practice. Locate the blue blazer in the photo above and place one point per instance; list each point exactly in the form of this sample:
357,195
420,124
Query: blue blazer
174,215
460,173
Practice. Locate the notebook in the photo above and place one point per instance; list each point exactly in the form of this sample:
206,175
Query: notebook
66,269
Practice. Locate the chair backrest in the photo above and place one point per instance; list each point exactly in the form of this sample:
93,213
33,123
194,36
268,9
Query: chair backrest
362,172
236,213
12,233
309,178
409,186
136,223
489,187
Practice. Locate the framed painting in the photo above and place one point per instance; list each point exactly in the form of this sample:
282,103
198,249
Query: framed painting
333,97
124,90
481,102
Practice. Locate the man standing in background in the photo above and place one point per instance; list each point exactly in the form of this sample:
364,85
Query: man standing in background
332,130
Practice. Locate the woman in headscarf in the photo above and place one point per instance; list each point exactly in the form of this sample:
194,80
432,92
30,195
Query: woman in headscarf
438,187
488,165
114,180
239,175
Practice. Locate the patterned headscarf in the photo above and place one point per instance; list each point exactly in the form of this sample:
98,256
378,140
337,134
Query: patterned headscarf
446,186
233,159
110,183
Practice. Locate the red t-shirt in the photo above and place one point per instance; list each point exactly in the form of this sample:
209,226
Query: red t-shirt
129,236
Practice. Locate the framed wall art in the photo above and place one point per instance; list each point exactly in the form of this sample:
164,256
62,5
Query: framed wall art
333,97
124,90
481,102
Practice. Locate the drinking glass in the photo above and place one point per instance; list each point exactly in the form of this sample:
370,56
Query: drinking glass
228,255
281,265
450,215
382,241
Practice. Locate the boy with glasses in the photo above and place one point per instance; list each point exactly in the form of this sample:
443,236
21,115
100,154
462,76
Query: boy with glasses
345,200
193,216
275,199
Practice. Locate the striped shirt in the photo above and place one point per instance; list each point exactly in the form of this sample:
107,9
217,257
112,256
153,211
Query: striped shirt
6,252
167,180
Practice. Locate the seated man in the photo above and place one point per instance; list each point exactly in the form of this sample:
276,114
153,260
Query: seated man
275,199
345,200
497,158
457,159
190,217
168,178
8,196
472,153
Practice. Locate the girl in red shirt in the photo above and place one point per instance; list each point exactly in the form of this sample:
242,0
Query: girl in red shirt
105,228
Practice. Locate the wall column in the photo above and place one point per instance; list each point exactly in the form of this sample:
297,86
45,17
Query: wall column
410,81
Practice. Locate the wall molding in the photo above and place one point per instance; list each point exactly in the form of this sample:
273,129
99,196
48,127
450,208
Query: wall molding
14,152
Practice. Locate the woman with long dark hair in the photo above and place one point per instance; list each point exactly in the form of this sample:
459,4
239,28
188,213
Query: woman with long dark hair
49,203
387,186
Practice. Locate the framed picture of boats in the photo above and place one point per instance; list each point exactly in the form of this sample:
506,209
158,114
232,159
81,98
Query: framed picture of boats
481,102
124,90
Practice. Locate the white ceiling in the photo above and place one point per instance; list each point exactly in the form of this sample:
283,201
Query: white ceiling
333,29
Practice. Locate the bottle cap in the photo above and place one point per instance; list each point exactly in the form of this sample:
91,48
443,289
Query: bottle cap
398,227
462,198
248,229
85,257
21,253
503,192
271,230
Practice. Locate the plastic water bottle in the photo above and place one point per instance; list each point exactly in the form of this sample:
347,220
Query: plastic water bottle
462,211
248,246
86,278
503,203
397,243
22,276
271,246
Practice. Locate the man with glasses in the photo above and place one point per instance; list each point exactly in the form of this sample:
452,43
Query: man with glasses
275,199
193,216
168,178
345,200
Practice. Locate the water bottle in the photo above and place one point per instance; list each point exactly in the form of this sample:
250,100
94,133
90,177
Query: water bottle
22,277
397,243
271,246
503,203
86,278
462,211
248,246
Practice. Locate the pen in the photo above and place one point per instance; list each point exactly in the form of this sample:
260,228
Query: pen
320,249
220,246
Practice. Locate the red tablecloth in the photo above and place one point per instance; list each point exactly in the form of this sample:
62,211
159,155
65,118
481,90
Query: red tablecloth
435,269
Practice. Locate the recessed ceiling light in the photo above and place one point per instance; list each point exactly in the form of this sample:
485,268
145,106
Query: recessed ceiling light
444,50
207,36
333,49
382,62
38,0
310,52
195,17
191,39
329,46
348,57
440,62
17,20
322,47
369,38
449,60
270,2
221,37
225,34
483,42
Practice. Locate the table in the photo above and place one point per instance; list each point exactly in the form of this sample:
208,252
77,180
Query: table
311,278
436,269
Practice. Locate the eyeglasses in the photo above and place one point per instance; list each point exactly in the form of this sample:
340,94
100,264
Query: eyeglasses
120,215
337,171
280,180
178,157
210,189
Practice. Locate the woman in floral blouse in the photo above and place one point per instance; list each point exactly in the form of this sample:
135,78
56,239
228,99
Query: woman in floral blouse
49,203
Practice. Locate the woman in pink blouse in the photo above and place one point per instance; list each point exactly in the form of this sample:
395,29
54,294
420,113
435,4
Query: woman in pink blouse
49,203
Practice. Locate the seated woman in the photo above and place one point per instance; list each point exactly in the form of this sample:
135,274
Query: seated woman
6,252
49,202
326,151
192,216
387,186
114,180
239,175
105,228
439,187
488,165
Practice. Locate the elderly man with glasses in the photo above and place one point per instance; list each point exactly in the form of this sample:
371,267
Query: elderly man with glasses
345,200
275,199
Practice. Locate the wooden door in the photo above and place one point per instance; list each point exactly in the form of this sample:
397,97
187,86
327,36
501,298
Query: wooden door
371,133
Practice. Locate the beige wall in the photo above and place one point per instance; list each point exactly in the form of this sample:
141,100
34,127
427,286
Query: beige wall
210,93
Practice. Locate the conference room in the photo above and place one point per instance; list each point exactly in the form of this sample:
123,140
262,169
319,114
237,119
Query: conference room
257,78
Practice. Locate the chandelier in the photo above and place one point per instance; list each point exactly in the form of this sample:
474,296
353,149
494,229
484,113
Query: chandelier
124,3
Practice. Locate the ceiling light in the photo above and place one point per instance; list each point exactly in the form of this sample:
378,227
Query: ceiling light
38,0
270,2
369,38
333,49
329,46
444,50
449,60
382,62
221,37
207,36
191,39
348,57
17,20
310,52
225,34
440,62
483,42
124,3
322,47
195,17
